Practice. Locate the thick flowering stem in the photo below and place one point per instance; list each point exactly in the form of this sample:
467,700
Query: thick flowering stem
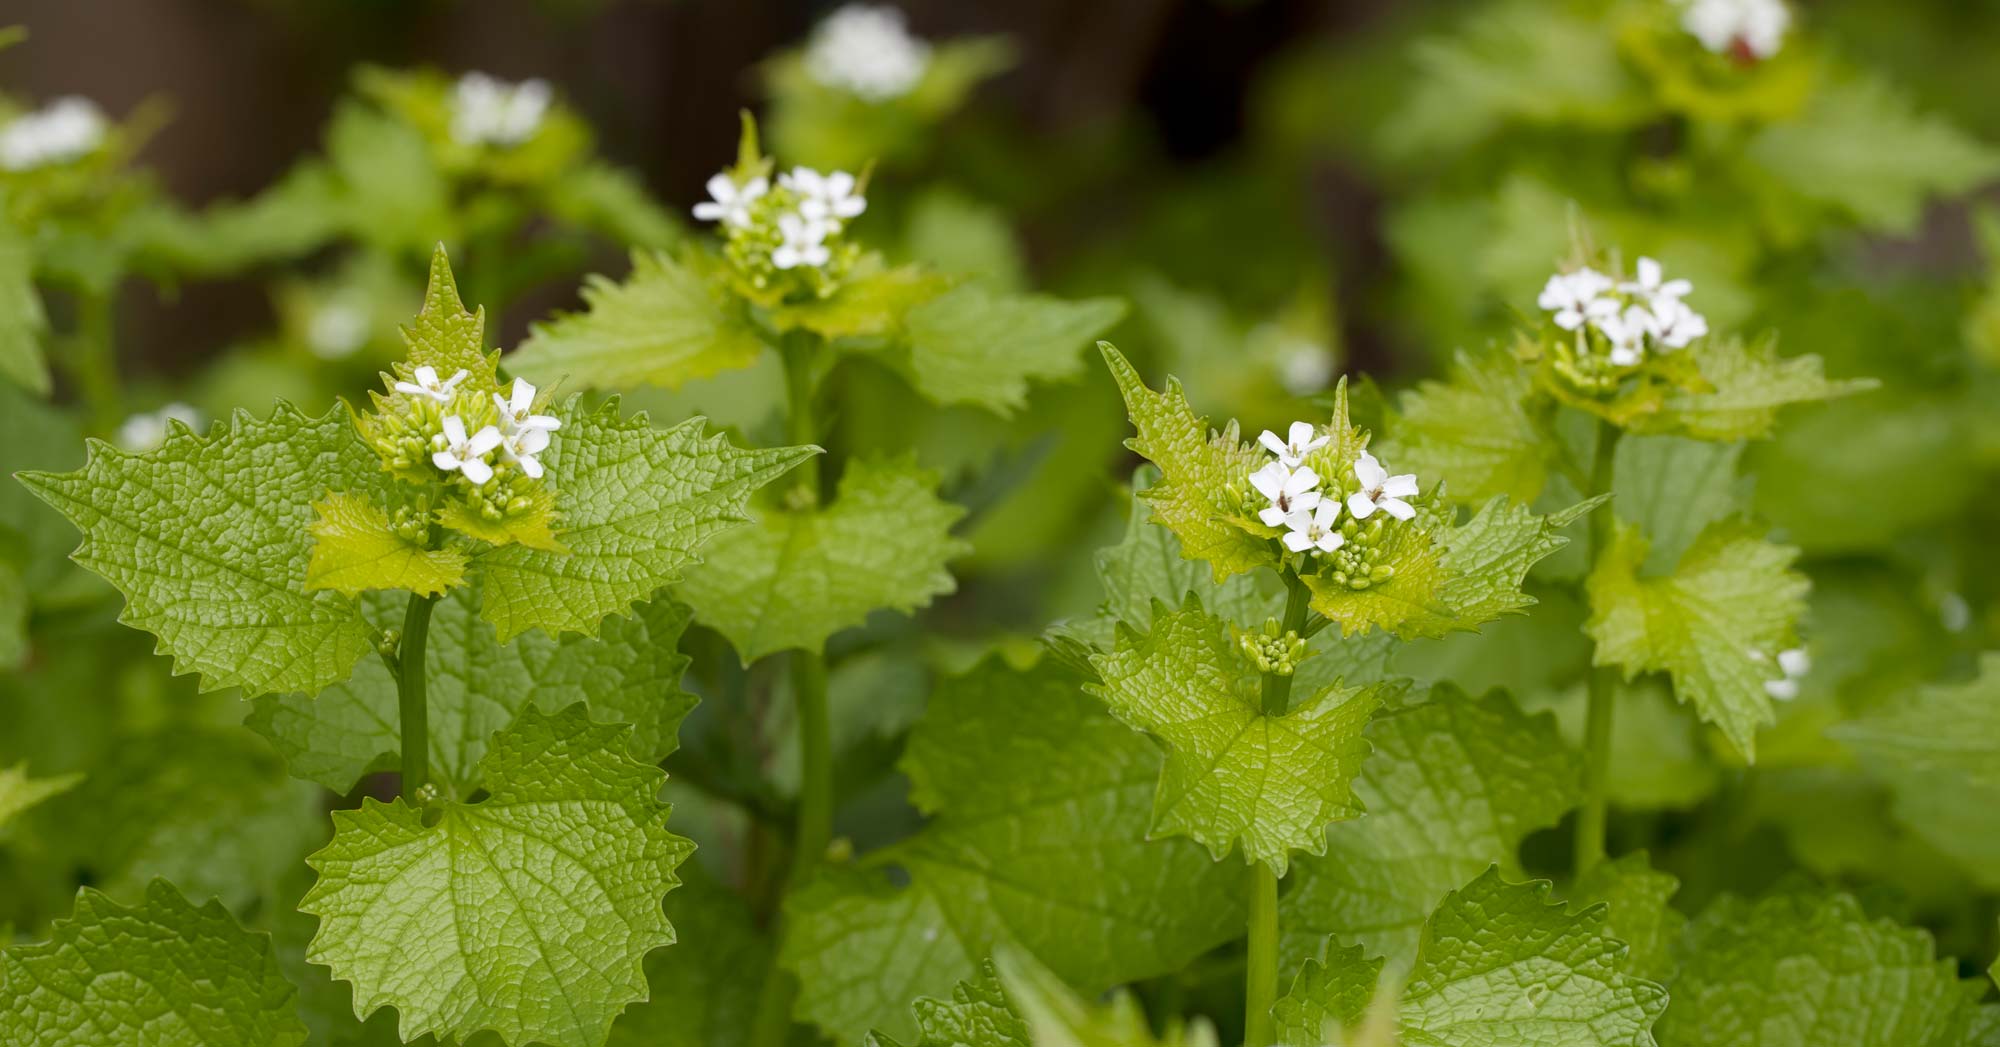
1603,680
94,361
1278,688
799,349
411,699
1260,979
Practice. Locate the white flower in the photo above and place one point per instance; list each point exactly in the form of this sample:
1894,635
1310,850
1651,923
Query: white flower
1758,26
1577,297
1650,287
866,50
1794,664
1314,530
147,430
64,130
1304,366
731,202
457,452
1627,334
1381,491
824,197
1675,325
489,111
1299,441
427,384
804,242
337,329
1290,490
524,435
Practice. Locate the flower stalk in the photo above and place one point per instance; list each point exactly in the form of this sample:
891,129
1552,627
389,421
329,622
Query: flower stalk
1603,685
412,701
1260,978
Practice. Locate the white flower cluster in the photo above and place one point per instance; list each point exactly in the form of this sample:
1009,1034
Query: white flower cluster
1794,664
148,429
1632,315
821,205
519,436
867,50
489,111
64,130
1297,504
1757,26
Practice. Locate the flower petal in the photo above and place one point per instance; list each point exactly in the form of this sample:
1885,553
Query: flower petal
1359,505
1398,508
1404,486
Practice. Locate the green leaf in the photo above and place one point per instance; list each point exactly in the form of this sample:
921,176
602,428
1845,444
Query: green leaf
1640,912
1748,383
1474,432
208,538
1806,967
796,577
664,324
1454,785
163,974
703,995
629,673
528,913
1039,803
1449,578
448,338
977,1014
1673,487
1863,149
958,234
637,503
14,608
1196,469
874,301
18,792
1235,774
1017,1002
355,550
208,808
1496,964
975,345
1715,624
23,324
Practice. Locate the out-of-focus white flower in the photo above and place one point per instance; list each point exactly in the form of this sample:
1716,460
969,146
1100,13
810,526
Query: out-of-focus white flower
1577,297
1290,491
523,435
804,242
1651,285
730,203
454,451
1301,439
1794,664
489,111
1314,530
1381,491
337,329
1675,325
427,384
1304,366
1757,26
867,50
824,197
148,429
66,129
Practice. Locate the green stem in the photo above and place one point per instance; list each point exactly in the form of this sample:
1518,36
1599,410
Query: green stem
801,427
94,363
412,703
1603,691
1260,978
815,826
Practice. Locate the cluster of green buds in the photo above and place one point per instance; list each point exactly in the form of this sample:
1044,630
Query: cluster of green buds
1273,651
453,445
1357,564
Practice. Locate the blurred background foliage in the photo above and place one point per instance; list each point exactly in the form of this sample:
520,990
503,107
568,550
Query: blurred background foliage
1284,191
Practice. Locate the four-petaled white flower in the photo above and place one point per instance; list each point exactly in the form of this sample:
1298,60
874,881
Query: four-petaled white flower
147,430
427,384
457,452
1652,285
1290,491
489,111
804,242
1676,325
731,202
866,50
1381,491
1756,26
1627,333
1794,664
66,129
1577,297
824,197
1301,439
524,435
1314,530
